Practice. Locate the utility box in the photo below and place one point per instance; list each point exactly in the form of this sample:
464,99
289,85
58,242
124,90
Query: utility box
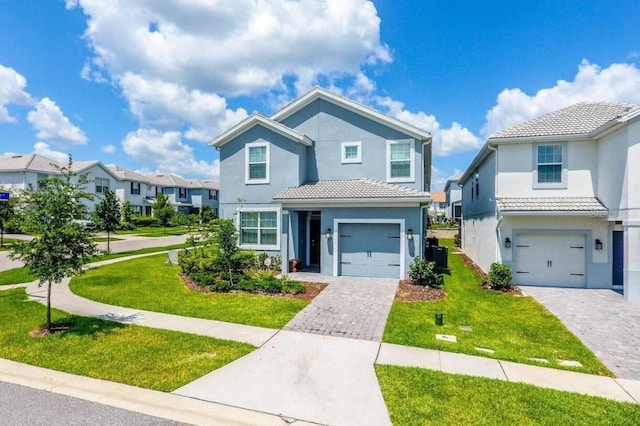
430,243
440,254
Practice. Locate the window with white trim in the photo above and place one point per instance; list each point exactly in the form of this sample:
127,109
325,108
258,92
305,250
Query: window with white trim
259,228
102,184
400,161
550,165
257,162
350,152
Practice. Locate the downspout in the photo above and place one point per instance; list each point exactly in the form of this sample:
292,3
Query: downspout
495,200
423,233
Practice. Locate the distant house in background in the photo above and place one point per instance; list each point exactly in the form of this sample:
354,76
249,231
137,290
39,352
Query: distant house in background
438,208
139,190
453,198
558,199
188,196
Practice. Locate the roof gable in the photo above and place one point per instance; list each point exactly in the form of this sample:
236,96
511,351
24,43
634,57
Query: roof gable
256,119
348,104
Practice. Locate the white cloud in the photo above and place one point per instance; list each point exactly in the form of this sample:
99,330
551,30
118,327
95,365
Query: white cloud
170,106
12,91
446,141
235,47
167,153
109,149
616,83
53,126
45,150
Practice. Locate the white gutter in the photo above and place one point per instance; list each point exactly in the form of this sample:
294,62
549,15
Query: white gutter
422,230
495,200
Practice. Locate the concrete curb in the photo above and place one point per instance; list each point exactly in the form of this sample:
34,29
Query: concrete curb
145,401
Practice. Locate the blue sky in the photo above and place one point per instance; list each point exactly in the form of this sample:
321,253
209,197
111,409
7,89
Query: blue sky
145,84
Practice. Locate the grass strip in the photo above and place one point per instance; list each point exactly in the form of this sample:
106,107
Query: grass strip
156,359
416,396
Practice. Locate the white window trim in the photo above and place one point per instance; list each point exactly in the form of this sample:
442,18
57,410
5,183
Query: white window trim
563,179
412,172
247,180
343,152
264,247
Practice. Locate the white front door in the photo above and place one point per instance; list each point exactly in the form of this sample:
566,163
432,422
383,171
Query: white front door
555,260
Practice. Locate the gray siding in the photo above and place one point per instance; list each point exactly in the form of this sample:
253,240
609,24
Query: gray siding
483,204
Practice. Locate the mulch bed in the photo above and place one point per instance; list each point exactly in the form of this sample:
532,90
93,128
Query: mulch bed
409,292
42,332
313,289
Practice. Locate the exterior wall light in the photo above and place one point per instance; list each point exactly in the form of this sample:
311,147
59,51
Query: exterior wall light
507,242
598,244
328,234
410,234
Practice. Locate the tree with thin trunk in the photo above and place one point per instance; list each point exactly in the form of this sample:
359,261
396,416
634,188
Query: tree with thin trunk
108,213
61,247
163,211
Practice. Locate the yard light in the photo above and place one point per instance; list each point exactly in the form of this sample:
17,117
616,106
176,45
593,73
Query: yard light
439,318
328,234
598,244
410,234
507,242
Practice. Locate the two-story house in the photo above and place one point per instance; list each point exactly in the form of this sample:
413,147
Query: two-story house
438,208
558,199
139,190
330,182
188,196
453,198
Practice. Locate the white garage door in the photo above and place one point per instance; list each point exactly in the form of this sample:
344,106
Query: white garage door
369,250
555,260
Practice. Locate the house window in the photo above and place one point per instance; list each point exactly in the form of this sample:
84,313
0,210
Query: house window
257,161
477,183
400,161
549,163
259,228
351,152
213,194
182,192
102,184
135,188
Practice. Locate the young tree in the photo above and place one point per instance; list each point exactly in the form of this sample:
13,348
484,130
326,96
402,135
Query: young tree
207,214
163,211
108,214
8,212
61,247
127,212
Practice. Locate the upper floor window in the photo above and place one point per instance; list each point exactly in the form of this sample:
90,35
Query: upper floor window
182,192
259,228
400,161
102,184
550,166
351,152
257,162
135,188
213,194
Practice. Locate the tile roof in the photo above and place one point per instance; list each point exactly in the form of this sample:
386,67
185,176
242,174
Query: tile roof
438,196
32,162
358,189
549,204
125,174
580,118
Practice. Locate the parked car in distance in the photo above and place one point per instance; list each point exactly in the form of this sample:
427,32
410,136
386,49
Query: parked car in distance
87,225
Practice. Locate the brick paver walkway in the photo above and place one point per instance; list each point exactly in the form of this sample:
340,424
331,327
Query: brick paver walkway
349,307
603,320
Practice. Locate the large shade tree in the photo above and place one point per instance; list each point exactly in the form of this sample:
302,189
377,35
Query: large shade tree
60,246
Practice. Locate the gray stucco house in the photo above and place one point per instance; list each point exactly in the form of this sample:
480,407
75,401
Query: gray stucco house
328,181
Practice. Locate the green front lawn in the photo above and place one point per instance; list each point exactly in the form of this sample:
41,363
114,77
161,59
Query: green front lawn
16,276
149,283
422,397
516,328
138,251
104,239
156,231
7,243
156,359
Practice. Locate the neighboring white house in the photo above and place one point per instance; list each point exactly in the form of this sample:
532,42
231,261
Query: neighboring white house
139,190
188,195
453,198
437,210
27,170
558,199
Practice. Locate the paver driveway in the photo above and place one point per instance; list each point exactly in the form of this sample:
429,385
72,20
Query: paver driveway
349,307
602,319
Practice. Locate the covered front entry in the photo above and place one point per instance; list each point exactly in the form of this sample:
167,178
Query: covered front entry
557,260
369,249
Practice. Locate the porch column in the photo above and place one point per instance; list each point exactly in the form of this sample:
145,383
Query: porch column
284,242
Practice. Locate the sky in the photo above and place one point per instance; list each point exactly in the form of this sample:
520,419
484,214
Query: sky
146,84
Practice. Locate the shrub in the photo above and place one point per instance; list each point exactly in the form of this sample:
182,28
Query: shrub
456,240
144,221
257,273
126,226
424,273
500,275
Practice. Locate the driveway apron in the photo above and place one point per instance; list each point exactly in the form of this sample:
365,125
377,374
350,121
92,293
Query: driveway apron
350,307
603,320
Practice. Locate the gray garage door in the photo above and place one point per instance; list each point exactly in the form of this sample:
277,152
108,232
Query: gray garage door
369,249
